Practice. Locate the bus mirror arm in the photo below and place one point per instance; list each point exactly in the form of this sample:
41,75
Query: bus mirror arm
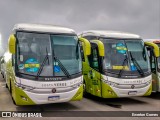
87,46
12,44
154,47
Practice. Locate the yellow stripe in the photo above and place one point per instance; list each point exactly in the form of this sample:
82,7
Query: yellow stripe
120,67
121,48
31,65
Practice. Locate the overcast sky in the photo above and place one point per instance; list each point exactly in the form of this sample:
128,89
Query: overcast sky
136,16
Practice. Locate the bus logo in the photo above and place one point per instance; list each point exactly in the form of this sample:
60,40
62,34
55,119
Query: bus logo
132,86
53,90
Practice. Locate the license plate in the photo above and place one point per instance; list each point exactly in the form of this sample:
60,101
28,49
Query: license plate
53,98
132,92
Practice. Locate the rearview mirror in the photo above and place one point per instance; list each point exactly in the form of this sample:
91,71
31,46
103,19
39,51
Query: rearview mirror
155,48
86,46
12,43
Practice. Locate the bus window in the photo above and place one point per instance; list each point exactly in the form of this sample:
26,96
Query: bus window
152,58
65,49
93,58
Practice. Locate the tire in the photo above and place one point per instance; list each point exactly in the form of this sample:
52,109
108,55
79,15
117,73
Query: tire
2,75
10,88
11,94
5,80
6,85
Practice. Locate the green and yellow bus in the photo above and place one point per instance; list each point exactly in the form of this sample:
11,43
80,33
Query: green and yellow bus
118,65
44,64
155,64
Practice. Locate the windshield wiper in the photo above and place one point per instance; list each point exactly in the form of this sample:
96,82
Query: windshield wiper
43,63
139,69
62,66
124,61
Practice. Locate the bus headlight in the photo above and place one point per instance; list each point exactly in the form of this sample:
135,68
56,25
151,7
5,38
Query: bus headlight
148,82
24,87
77,84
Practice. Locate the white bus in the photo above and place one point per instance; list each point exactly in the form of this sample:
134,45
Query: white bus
118,65
43,64
155,64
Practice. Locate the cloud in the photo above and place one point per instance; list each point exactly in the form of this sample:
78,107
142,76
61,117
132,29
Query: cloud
137,16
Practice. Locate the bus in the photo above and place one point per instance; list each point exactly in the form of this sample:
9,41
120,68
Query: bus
118,65
44,64
155,64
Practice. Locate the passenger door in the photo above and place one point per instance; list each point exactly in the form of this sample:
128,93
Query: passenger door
153,64
93,74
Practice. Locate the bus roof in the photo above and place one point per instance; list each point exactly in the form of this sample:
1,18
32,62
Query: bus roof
43,28
110,34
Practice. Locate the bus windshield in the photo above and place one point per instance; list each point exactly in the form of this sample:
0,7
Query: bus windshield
127,55
35,50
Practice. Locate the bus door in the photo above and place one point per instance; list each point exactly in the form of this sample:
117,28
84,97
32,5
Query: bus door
94,74
153,52
85,50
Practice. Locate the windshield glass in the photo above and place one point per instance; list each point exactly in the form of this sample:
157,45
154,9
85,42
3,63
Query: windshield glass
33,49
67,50
118,55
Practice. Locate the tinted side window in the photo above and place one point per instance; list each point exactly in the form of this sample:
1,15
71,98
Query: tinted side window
93,58
152,58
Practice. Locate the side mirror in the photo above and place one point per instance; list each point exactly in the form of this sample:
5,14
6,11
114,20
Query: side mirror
12,44
86,46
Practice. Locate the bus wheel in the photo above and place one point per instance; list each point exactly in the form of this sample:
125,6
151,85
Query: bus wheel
11,91
4,77
5,80
6,85
2,74
10,88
